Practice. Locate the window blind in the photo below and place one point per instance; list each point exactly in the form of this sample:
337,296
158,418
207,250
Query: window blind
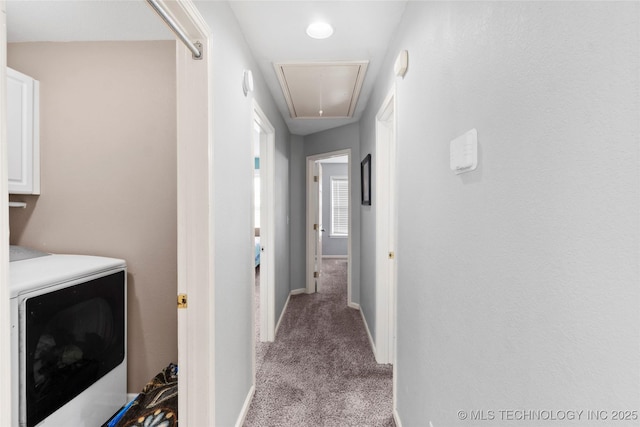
339,206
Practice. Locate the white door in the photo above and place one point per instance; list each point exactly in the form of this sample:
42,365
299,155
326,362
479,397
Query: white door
392,225
196,322
319,229
386,256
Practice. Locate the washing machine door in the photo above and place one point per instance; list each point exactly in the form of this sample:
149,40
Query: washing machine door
73,337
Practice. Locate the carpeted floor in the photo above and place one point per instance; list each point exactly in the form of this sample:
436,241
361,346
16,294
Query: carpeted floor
320,371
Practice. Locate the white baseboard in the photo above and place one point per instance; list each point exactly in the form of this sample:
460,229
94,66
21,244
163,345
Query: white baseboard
396,418
293,292
366,326
245,407
354,305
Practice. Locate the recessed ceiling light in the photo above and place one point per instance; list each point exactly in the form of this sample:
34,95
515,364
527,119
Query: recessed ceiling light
319,30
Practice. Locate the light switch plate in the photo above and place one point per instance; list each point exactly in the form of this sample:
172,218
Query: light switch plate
464,152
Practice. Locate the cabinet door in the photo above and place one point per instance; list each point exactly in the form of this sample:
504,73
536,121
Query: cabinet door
22,133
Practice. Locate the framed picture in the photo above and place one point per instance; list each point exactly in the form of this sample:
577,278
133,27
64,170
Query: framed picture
365,179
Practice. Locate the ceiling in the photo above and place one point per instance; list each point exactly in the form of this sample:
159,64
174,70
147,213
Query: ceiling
274,31
322,89
83,20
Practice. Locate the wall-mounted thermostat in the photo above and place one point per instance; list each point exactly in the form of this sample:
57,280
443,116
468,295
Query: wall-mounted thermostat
464,152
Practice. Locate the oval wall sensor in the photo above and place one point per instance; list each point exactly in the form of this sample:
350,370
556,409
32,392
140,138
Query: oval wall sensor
402,63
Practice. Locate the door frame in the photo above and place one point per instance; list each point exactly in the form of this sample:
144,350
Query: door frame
195,211
312,206
195,200
385,193
267,219
5,324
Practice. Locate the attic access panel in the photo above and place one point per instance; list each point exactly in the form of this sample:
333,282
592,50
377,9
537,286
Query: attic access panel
315,90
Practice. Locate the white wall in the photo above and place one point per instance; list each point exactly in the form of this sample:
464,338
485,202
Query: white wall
517,283
233,182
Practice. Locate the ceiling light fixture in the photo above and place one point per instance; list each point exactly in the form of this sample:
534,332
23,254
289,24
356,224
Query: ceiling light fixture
319,30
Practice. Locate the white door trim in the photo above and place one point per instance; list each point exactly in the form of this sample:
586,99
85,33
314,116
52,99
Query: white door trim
311,206
196,327
5,325
385,197
267,222
311,240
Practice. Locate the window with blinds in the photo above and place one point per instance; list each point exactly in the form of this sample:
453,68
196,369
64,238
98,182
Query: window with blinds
339,206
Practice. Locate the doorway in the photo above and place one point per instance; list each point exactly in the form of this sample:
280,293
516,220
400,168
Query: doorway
329,215
195,277
263,225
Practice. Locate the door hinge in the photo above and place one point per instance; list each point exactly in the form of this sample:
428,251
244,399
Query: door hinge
392,255
316,226
316,274
315,178
182,301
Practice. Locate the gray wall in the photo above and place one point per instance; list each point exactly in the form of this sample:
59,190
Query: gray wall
233,163
297,224
331,246
518,282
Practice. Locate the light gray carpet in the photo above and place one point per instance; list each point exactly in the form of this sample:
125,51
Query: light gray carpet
320,371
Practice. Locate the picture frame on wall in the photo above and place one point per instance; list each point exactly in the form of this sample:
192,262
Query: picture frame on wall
365,180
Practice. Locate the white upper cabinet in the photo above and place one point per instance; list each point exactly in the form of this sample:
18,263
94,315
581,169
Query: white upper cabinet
23,134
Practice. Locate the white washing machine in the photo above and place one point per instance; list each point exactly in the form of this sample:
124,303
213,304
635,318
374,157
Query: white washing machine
68,338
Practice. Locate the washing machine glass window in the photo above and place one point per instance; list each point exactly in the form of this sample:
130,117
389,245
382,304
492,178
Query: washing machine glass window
74,336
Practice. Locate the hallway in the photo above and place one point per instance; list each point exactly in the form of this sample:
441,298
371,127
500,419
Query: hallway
320,370
516,264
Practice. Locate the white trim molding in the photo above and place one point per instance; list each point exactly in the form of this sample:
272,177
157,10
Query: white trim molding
286,304
396,417
366,327
245,406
